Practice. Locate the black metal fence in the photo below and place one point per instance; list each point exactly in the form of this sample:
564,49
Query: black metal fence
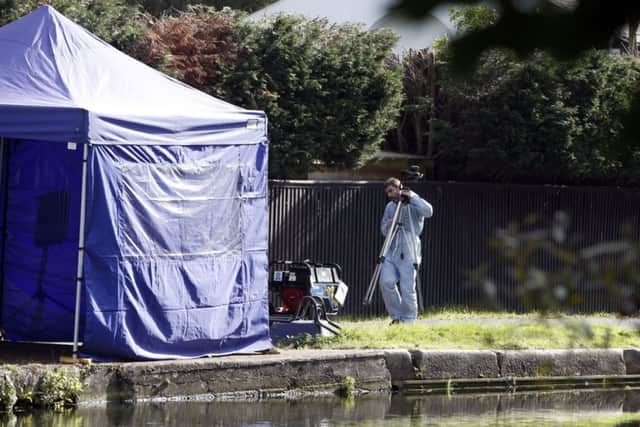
339,222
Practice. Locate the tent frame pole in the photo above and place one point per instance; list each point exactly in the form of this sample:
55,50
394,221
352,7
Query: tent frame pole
79,276
3,236
1,153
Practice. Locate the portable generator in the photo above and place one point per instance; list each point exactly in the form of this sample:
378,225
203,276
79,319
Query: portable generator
306,291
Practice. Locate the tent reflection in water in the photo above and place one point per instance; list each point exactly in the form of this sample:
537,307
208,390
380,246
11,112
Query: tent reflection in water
133,207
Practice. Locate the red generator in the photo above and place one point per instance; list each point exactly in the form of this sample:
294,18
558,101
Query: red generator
306,291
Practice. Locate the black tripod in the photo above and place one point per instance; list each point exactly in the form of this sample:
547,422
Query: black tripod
396,227
51,228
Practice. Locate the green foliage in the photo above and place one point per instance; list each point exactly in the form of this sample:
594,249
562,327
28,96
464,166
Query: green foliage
114,21
419,93
536,119
542,263
473,18
512,123
8,396
551,271
57,389
347,387
600,90
565,31
158,7
330,92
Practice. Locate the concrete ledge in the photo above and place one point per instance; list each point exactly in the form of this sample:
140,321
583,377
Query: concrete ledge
294,372
537,363
435,364
632,360
299,372
400,364
517,384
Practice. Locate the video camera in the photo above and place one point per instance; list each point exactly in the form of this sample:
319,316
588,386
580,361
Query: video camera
412,174
408,175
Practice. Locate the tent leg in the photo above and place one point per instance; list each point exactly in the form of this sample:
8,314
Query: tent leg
1,153
3,229
79,278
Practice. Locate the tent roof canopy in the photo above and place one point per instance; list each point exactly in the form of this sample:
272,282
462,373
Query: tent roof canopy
59,82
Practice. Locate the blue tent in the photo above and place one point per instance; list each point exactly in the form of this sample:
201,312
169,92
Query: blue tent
133,207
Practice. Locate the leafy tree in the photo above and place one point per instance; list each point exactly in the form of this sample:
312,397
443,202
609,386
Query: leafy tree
329,90
114,21
545,266
601,89
532,120
190,47
565,29
158,7
473,18
418,80
418,128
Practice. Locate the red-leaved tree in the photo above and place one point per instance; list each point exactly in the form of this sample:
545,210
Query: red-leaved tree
190,47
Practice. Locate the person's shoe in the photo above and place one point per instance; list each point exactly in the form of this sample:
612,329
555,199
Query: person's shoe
394,322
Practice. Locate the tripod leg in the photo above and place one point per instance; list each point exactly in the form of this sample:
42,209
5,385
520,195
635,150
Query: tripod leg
419,292
368,296
373,284
393,229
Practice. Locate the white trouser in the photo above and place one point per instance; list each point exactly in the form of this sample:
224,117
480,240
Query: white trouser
401,304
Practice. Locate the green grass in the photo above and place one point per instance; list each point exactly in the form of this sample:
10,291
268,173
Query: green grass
473,333
463,313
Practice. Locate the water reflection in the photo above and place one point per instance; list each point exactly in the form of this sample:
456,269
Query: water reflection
396,410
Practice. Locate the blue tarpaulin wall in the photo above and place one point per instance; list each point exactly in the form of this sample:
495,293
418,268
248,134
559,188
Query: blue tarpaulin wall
40,253
175,253
182,253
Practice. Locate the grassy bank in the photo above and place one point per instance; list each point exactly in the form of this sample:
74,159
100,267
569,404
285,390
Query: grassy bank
457,330
465,313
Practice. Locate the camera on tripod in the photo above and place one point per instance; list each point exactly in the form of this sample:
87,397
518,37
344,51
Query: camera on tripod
412,174
408,175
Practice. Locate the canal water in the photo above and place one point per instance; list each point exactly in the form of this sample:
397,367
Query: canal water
618,407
